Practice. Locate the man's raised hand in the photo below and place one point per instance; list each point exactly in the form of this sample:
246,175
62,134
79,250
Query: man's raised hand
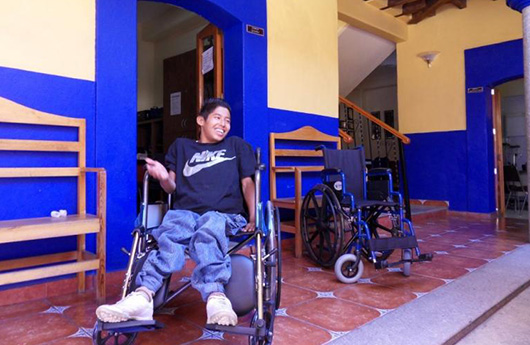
156,170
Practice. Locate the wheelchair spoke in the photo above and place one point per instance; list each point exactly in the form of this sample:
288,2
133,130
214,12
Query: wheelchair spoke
315,234
321,244
328,240
315,204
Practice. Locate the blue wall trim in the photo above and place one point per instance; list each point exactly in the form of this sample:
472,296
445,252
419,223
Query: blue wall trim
486,67
437,167
116,119
518,5
286,121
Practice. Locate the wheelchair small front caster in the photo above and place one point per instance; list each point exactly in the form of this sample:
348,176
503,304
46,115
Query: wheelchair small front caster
407,258
349,268
425,257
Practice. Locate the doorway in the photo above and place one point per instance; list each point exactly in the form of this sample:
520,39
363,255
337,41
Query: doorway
510,147
180,63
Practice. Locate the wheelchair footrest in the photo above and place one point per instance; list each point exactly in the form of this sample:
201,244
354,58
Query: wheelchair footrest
381,264
255,331
389,243
132,326
425,257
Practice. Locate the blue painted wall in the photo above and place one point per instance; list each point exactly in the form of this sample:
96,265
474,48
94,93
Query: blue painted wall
437,167
23,198
458,166
486,67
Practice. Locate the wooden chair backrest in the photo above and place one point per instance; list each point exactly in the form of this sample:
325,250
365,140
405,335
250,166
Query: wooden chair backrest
303,134
11,112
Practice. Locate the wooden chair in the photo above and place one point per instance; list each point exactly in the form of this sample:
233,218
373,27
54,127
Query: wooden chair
298,146
20,230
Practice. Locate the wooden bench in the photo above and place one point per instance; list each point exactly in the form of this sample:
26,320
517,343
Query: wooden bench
78,260
299,146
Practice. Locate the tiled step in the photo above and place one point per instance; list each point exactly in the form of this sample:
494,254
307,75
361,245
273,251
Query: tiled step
422,212
450,312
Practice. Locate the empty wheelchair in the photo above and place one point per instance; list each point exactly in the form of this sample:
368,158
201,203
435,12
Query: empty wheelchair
353,214
254,286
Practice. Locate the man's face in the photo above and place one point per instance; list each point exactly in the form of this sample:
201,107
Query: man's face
216,127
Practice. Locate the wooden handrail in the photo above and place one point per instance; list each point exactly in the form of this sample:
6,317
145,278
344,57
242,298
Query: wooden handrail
345,136
403,138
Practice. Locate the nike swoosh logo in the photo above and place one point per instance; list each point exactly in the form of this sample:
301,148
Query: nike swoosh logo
189,171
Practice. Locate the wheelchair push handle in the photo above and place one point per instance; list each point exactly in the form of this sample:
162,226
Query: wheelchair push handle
259,166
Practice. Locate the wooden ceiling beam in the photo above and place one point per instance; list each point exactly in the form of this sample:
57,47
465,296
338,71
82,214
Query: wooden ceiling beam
432,6
414,7
460,3
395,3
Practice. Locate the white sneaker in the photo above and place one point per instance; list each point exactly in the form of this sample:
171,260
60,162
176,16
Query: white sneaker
134,306
219,310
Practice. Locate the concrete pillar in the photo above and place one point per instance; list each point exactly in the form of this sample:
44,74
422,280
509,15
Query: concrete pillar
523,7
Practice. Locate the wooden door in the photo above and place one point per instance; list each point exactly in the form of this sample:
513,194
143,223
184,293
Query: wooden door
499,159
209,64
180,99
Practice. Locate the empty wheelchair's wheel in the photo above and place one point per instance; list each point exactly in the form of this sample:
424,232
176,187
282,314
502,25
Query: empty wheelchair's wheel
407,255
269,326
100,337
322,225
349,268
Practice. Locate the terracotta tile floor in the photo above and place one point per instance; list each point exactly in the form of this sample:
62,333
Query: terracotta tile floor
315,307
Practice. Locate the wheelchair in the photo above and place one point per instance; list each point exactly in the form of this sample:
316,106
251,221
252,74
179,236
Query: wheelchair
342,219
254,286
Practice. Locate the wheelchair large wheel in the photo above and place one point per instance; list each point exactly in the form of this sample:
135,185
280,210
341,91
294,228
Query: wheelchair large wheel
273,277
112,338
322,225
273,264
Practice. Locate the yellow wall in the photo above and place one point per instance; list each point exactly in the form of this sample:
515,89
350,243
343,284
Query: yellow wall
53,37
433,99
303,56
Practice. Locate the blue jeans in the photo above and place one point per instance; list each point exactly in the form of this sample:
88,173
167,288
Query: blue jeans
206,237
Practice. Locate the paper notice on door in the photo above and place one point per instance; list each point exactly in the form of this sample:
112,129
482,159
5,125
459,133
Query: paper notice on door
175,103
207,60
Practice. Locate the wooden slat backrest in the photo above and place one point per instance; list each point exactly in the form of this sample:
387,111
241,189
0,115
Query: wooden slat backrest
11,112
306,133
303,134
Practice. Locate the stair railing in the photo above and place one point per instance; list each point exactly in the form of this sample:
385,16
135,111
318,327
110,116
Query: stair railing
382,142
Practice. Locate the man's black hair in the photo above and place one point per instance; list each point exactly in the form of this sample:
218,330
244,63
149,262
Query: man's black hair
211,104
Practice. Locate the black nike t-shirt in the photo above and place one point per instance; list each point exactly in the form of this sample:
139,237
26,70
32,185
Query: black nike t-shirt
209,175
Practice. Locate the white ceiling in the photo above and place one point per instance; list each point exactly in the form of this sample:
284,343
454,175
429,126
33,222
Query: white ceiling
360,52
158,20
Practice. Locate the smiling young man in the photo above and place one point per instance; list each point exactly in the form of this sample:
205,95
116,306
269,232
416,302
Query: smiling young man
211,177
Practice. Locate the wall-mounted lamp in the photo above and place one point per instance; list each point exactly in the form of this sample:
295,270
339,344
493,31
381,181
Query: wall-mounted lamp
429,57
